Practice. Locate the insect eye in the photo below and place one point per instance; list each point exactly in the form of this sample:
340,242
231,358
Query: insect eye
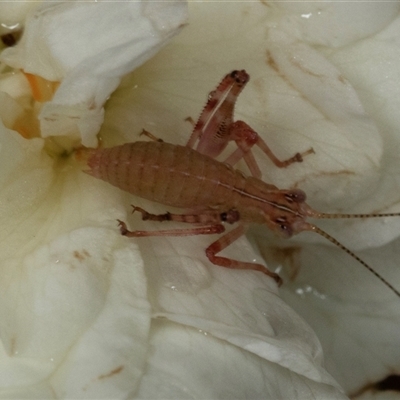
286,230
284,227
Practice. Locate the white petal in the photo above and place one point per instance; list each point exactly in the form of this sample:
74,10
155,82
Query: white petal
71,295
335,123
192,364
107,41
337,24
353,313
108,359
15,85
69,306
13,14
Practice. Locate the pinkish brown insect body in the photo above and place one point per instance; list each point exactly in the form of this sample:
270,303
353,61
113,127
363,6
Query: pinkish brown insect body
181,177
215,192
212,191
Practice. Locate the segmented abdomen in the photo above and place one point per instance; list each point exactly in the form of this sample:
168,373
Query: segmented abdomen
172,175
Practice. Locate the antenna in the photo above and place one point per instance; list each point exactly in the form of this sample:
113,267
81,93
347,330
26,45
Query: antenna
348,251
332,216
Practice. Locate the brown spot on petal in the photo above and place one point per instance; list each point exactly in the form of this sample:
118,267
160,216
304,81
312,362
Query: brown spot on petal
81,255
271,62
111,373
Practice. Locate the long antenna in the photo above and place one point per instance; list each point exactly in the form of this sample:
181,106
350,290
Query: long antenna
327,215
348,251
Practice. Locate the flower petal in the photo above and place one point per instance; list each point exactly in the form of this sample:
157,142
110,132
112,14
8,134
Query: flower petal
337,24
100,49
354,315
211,368
69,288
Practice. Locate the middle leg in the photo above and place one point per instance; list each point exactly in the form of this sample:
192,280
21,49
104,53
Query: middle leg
211,221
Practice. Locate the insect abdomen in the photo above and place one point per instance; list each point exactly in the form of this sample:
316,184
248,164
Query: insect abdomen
165,173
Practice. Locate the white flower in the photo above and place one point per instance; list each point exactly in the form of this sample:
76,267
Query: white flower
87,313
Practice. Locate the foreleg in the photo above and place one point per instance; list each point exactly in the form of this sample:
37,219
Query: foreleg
246,137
